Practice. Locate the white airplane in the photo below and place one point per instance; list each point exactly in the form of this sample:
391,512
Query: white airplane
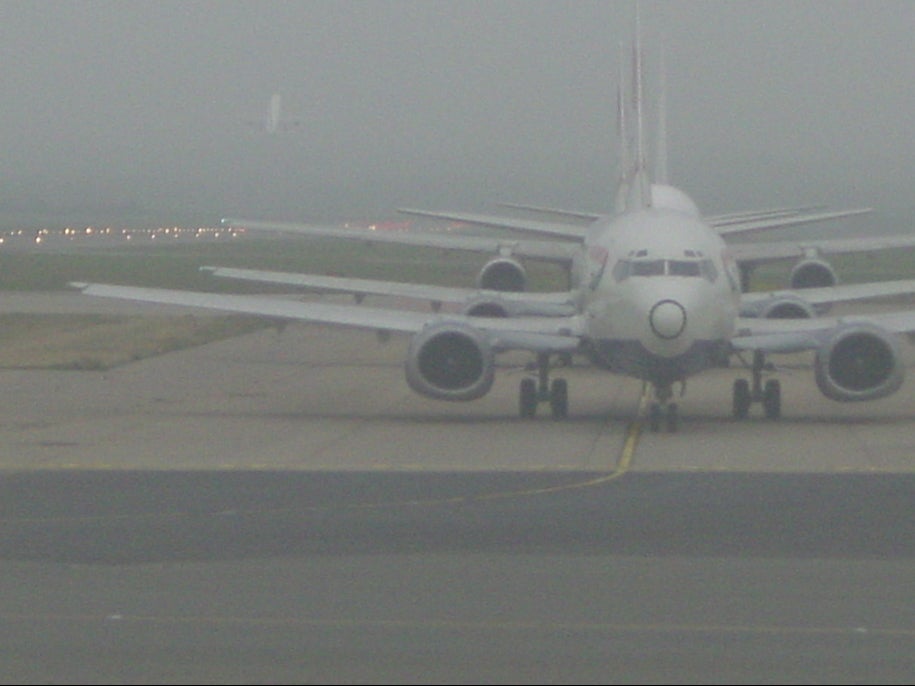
275,121
655,293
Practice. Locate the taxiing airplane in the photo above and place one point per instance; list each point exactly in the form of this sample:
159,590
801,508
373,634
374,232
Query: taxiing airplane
655,293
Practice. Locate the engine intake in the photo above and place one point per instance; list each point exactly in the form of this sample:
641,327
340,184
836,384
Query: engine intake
450,361
859,362
503,274
812,273
488,307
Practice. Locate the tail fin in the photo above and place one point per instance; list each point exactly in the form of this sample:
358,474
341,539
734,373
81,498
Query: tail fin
661,172
634,190
622,133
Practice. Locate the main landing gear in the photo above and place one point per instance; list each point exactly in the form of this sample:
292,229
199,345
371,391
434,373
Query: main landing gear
769,394
534,391
663,411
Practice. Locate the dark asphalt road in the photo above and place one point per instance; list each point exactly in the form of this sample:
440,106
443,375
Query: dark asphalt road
497,577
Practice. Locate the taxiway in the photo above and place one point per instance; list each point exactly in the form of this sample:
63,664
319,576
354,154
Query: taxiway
280,508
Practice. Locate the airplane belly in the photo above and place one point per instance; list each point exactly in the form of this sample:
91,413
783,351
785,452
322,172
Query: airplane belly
632,358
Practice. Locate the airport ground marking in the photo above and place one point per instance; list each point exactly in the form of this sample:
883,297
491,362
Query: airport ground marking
481,625
622,466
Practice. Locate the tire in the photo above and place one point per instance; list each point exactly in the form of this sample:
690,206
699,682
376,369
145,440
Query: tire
772,399
527,398
742,399
673,417
559,399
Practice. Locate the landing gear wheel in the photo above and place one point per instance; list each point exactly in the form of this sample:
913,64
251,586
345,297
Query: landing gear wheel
559,399
742,398
673,417
527,398
668,413
772,399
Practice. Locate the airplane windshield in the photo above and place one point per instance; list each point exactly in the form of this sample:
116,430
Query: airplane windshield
704,268
647,268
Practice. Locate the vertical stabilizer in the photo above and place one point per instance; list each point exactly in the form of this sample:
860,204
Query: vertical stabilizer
661,171
634,190
622,132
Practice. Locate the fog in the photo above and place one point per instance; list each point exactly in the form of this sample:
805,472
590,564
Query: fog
156,110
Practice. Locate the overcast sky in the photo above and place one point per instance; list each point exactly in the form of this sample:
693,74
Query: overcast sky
446,105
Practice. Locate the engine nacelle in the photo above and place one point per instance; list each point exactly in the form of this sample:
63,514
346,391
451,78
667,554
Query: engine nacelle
503,274
485,306
780,307
450,361
859,362
812,273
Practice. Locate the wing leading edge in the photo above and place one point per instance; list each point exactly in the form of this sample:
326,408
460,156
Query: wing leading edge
537,334
546,250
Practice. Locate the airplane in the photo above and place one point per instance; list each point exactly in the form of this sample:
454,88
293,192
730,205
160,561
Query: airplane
656,292
275,121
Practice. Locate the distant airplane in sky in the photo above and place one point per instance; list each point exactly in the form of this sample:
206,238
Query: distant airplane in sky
275,121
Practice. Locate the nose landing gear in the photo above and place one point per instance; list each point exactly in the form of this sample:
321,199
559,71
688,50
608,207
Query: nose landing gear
663,411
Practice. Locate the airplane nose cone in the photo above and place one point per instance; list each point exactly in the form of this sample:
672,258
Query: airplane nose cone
667,319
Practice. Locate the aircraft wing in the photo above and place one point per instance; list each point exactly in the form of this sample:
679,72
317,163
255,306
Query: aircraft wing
548,251
539,334
748,220
778,250
561,303
576,217
775,220
570,215
562,230
719,220
798,335
756,302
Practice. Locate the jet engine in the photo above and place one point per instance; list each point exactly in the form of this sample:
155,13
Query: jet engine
450,361
859,362
812,273
780,307
503,274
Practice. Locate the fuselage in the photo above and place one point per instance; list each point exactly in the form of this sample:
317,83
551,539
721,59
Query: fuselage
658,293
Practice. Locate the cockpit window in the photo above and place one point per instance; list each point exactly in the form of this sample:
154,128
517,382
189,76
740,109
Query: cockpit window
647,267
683,267
709,270
697,267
